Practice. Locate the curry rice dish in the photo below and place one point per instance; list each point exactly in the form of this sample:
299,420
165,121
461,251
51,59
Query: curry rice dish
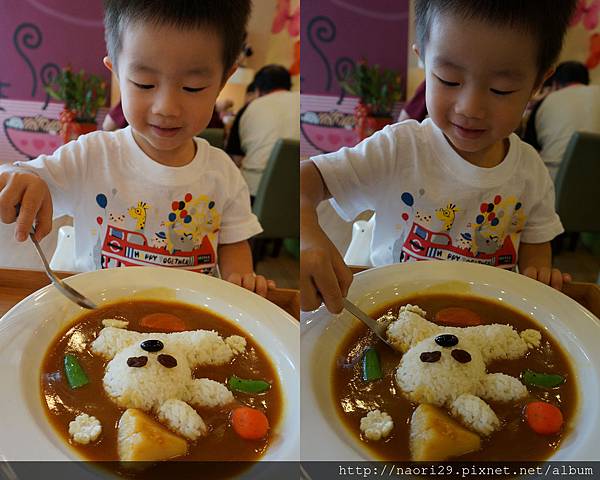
434,398
189,383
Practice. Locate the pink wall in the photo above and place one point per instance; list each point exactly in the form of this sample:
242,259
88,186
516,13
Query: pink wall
37,34
37,38
335,35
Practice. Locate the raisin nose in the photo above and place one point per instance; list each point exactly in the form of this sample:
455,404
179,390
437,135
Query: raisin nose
152,345
446,340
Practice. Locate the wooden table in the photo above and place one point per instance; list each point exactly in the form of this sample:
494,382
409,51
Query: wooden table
15,285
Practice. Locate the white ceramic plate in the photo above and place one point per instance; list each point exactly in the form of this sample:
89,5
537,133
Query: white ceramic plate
574,327
28,328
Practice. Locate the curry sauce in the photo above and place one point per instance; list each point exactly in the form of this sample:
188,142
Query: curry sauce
515,441
63,404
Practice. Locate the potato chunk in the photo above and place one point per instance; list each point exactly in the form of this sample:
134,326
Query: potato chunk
142,439
435,436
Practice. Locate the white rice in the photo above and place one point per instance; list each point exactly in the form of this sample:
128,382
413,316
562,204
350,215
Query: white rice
475,413
203,392
85,429
376,425
182,419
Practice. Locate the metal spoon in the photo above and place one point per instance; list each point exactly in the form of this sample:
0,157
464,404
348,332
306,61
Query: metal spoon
377,328
65,289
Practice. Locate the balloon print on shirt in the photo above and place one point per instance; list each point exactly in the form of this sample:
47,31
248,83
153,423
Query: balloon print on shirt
428,234
497,226
191,223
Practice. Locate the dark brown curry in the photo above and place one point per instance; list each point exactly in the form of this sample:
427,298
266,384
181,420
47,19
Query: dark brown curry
62,403
515,441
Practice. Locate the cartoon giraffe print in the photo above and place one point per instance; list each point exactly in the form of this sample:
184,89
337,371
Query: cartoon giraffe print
447,215
139,214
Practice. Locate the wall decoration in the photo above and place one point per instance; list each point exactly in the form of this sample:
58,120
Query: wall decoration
582,42
336,35
37,38
284,39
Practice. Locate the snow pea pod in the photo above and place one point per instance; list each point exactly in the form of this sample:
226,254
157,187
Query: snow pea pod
371,365
247,385
74,371
544,380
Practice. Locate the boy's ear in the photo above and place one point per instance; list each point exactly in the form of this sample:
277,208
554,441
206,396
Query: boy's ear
415,49
418,52
108,64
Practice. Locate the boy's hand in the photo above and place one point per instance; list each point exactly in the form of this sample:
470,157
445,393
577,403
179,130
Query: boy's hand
250,281
550,276
323,274
25,197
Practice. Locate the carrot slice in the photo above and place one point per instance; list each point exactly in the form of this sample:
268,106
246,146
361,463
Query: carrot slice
249,423
543,418
458,317
163,322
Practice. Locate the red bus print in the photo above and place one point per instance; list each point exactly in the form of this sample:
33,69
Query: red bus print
423,244
123,248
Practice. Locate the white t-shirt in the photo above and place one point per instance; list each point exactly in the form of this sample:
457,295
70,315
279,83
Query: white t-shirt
266,119
562,113
433,204
130,210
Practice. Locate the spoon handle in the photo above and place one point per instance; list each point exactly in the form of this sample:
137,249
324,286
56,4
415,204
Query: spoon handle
377,328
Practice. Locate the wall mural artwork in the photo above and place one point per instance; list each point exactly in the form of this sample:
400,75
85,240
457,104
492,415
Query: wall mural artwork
40,38
331,50
582,42
284,42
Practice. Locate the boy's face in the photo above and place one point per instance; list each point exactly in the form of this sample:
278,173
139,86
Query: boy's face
479,78
169,81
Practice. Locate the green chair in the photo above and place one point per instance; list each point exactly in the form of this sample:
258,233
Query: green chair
214,136
577,194
277,199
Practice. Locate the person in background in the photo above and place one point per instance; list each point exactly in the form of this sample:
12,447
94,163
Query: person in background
274,114
415,108
573,105
459,186
154,185
232,135
251,93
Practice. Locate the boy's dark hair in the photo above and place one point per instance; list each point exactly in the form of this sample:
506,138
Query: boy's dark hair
272,77
547,20
228,19
571,72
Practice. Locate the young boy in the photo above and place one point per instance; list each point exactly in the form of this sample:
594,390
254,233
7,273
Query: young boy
460,185
152,193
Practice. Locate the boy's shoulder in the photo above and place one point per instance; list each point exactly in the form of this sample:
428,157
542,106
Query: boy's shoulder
104,138
213,158
527,154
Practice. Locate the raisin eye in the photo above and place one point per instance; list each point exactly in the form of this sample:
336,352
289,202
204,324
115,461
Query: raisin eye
137,361
430,357
167,360
461,356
